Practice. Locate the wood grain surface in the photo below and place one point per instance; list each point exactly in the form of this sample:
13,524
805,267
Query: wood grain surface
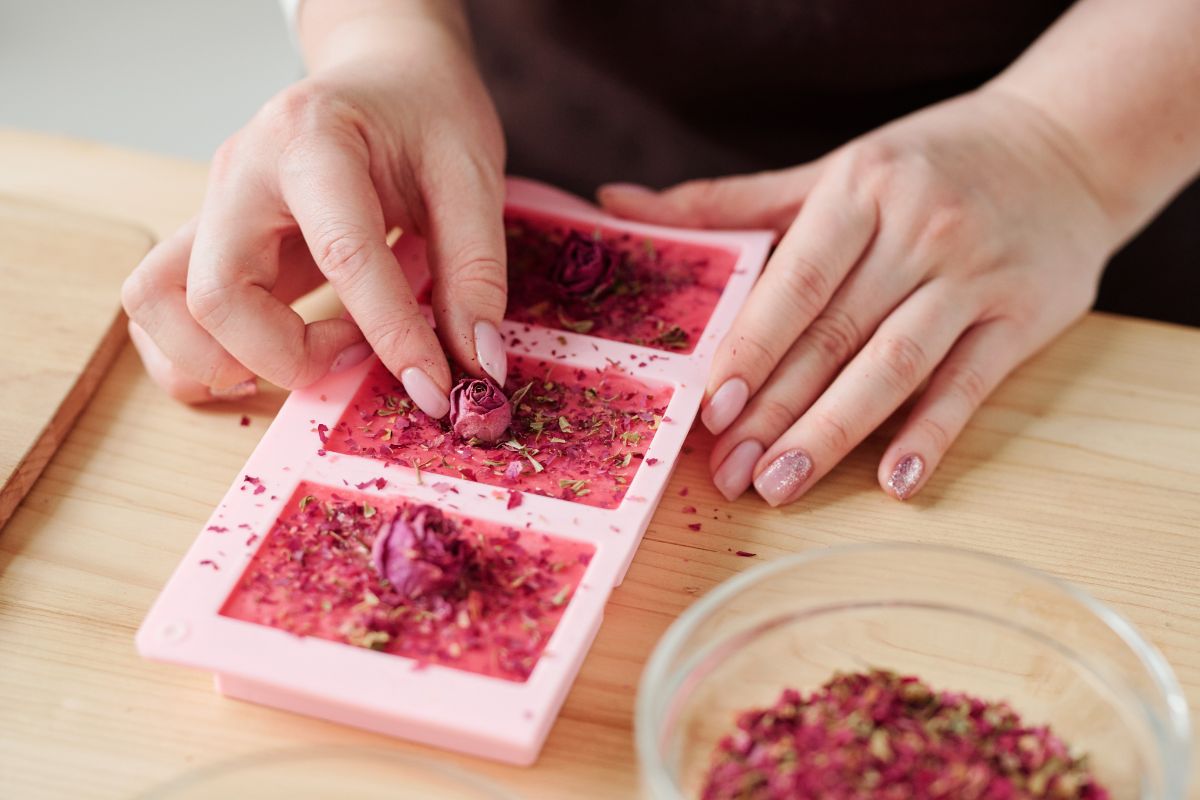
61,325
1085,464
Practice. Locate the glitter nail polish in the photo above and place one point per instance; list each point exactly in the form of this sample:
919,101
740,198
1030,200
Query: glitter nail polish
780,481
906,476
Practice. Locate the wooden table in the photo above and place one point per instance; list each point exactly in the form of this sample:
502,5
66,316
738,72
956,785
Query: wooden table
1085,464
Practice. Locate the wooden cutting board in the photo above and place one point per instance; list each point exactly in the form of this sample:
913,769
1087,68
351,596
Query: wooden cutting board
61,325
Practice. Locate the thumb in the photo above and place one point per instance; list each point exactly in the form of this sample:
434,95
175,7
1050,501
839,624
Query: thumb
760,200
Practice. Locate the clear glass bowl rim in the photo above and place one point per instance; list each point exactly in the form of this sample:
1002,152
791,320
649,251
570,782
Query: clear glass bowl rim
655,677
428,765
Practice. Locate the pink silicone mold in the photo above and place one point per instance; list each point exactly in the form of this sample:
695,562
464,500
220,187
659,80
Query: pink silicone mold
431,701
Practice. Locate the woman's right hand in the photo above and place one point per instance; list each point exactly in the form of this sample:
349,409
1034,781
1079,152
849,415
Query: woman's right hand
392,128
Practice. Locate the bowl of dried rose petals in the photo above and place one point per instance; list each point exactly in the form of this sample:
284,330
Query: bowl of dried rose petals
907,671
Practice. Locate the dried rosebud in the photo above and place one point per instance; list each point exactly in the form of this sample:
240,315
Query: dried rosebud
419,552
479,409
585,267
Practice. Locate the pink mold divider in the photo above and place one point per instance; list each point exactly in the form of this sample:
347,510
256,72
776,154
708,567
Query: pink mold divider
434,704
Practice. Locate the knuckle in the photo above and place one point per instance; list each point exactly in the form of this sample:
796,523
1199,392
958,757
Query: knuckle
293,372
936,433
342,251
699,196
394,338
943,224
298,107
834,433
482,280
225,157
474,263
755,356
808,281
902,362
871,163
805,287
967,383
137,291
774,415
835,335
208,303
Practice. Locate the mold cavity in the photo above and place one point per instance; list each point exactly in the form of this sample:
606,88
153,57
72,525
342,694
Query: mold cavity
410,579
609,283
576,434
612,284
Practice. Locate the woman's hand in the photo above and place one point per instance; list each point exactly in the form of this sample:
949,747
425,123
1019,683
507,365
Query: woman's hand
392,128
946,247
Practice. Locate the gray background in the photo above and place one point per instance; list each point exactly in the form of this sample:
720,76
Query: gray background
171,76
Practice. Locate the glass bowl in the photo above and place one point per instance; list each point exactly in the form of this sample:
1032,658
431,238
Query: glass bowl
322,772
962,621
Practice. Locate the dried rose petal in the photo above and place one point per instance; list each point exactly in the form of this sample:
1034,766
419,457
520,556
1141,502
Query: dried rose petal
878,735
479,409
418,553
585,267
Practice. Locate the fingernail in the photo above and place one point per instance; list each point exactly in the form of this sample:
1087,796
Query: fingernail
238,391
733,476
725,405
351,356
424,392
783,478
626,188
906,476
489,349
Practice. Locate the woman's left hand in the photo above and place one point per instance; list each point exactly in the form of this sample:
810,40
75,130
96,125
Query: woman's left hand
945,247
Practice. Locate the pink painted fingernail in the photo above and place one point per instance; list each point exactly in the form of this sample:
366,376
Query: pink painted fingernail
424,392
906,476
733,476
238,391
726,403
351,356
780,481
489,349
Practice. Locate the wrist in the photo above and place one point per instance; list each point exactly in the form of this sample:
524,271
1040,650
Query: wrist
332,32
1115,212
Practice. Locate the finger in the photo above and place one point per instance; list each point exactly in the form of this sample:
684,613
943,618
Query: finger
174,381
155,298
868,295
465,233
979,361
889,368
233,271
827,239
330,193
762,200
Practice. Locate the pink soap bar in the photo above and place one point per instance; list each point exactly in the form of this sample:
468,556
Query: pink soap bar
313,576
577,434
